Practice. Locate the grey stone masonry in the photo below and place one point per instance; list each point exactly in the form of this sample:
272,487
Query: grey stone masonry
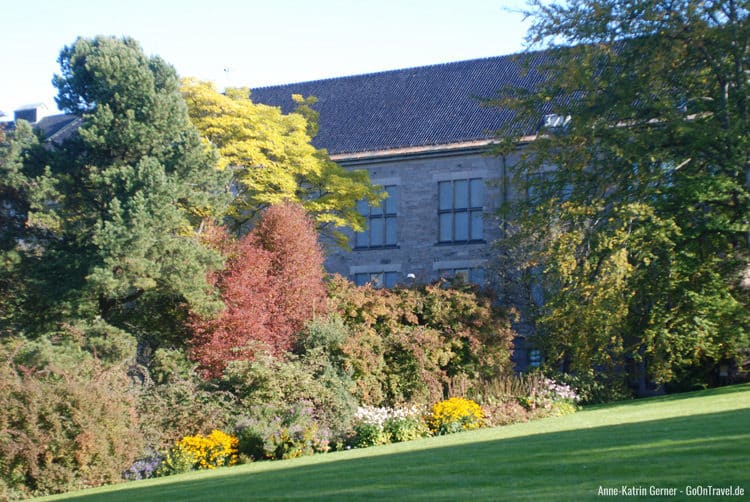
418,255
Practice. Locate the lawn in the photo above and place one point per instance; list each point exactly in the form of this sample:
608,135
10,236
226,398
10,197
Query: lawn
675,442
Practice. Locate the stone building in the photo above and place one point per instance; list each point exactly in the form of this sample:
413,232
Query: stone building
424,135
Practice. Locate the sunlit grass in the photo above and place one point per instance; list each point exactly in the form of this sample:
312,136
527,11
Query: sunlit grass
668,442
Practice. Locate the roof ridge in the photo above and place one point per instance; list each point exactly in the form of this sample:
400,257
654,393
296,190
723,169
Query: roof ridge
400,70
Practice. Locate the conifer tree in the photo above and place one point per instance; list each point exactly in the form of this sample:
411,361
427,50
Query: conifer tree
132,187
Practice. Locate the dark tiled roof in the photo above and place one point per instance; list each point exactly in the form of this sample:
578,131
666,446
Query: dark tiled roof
430,105
57,128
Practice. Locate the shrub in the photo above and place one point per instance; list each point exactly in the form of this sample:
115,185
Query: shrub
504,412
367,434
185,402
278,383
455,415
65,425
405,428
517,398
406,344
281,433
593,388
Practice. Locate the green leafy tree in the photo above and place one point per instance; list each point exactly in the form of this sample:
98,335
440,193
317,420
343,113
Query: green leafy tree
638,234
273,160
132,188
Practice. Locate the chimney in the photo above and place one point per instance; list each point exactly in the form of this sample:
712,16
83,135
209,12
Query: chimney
30,113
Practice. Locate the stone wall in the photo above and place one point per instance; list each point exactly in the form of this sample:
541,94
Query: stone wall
418,251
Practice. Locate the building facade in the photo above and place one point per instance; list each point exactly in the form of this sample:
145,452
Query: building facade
438,221
424,135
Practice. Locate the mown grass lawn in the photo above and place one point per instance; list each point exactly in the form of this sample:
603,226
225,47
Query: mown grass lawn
678,441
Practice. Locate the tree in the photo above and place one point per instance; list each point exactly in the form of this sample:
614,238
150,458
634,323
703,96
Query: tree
638,234
272,286
23,192
273,159
132,188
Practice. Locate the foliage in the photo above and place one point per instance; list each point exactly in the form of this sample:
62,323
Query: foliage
276,384
272,286
181,401
638,237
405,428
67,422
273,160
115,210
25,186
541,460
367,434
593,387
404,345
276,433
499,412
522,397
455,415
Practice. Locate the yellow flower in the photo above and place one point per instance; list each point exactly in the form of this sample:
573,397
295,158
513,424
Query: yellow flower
215,450
455,414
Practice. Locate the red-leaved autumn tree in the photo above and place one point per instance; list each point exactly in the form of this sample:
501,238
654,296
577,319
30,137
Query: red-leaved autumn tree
272,286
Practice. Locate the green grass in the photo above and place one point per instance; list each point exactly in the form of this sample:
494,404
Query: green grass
695,439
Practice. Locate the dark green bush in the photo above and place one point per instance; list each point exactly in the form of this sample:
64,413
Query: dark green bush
270,433
277,383
184,404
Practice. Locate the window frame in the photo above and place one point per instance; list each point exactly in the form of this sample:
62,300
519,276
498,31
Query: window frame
386,214
382,279
469,214
470,275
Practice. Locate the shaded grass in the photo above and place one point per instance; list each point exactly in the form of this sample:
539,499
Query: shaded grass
670,442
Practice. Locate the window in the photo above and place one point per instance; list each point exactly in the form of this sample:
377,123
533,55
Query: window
535,358
467,275
460,210
381,224
554,121
377,279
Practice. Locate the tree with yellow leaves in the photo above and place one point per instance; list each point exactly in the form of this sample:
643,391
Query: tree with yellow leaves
273,159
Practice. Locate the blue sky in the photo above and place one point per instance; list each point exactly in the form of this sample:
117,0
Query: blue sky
255,43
